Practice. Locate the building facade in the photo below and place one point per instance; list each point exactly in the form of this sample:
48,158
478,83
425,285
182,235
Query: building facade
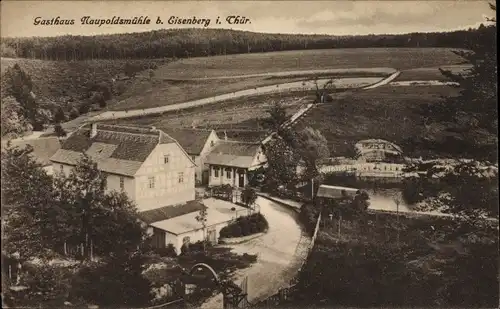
147,164
230,163
198,143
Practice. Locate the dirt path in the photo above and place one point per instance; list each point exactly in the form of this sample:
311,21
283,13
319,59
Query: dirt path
277,256
293,86
292,73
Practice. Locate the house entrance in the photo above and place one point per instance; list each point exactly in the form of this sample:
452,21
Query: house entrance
241,178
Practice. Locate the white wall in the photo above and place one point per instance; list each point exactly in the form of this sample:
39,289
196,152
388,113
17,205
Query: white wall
167,189
194,236
210,143
222,178
259,158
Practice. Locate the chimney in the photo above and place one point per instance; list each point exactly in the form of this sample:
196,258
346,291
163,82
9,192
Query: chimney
93,130
225,135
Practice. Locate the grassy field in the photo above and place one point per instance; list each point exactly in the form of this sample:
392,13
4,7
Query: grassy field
386,112
426,74
398,58
232,115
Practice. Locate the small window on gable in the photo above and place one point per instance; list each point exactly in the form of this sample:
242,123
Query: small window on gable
181,177
166,159
211,143
151,182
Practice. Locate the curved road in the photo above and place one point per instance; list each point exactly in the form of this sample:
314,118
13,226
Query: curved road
278,259
382,70
350,82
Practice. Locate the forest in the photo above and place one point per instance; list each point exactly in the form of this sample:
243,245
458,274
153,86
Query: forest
182,43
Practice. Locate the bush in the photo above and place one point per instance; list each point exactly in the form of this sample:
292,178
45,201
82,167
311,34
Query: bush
168,251
46,283
244,226
119,281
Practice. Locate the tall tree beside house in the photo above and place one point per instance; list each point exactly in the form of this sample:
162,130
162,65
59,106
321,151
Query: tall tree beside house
104,222
282,162
31,221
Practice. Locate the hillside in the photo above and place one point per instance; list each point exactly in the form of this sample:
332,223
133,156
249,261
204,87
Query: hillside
70,84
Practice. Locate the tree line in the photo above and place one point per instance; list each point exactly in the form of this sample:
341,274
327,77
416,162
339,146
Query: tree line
182,43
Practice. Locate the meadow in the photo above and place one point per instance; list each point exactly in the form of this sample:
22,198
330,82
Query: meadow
428,74
233,116
386,112
233,65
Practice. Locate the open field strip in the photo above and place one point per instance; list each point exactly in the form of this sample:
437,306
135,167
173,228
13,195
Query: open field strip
302,60
423,83
294,86
307,73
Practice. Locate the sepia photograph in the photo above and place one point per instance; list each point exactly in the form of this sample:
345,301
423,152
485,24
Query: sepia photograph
249,154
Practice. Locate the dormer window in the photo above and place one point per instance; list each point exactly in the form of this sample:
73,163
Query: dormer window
166,159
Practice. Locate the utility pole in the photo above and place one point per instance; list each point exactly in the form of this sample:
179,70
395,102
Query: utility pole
397,201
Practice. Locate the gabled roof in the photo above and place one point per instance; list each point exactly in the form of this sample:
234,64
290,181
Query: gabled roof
116,149
168,212
231,153
335,192
192,140
43,148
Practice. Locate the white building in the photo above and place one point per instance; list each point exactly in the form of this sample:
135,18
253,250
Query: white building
197,143
147,164
155,172
230,162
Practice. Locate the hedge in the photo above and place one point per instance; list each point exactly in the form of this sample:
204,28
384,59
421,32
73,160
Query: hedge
244,226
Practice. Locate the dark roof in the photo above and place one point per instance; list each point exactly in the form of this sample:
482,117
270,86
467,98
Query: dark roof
335,192
168,212
116,149
192,140
252,136
43,148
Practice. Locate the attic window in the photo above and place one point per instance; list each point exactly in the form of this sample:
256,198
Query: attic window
211,143
166,159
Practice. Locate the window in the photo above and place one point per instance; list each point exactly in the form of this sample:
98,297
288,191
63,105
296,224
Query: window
193,158
216,171
122,183
151,183
166,159
62,168
211,143
181,177
228,173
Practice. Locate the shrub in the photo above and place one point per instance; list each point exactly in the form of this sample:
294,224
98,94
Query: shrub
244,226
46,283
168,251
119,281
